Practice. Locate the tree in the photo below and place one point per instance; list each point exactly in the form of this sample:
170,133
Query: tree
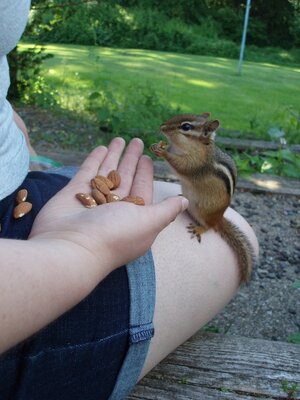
25,67
270,24
277,16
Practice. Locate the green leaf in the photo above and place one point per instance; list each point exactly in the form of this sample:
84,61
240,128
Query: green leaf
103,114
290,171
288,155
94,96
183,381
212,328
296,284
267,165
295,338
275,132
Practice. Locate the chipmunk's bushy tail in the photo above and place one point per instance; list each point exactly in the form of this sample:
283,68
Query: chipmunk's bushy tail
241,246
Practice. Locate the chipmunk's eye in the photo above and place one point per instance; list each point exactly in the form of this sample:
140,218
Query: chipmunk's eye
186,127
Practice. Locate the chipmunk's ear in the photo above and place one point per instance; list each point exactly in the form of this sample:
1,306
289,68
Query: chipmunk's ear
205,115
210,127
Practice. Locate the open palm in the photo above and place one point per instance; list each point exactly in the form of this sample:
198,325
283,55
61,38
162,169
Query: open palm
115,232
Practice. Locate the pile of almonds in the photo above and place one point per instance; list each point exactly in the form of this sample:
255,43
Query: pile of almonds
23,207
101,191
100,194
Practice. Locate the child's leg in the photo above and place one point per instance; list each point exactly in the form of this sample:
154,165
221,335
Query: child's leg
193,281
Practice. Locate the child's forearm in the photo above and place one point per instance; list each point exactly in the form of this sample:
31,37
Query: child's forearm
39,281
21,125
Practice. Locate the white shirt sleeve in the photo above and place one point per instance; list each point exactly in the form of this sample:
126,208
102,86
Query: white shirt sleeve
13,19
14,157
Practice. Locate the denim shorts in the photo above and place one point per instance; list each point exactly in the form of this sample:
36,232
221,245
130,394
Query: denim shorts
98,348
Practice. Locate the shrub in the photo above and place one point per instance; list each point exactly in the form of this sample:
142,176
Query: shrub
274,55
138,114
211,47
111,24
230,22
27,83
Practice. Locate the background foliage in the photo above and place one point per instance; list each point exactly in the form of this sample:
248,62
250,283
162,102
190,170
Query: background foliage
173,25
207,27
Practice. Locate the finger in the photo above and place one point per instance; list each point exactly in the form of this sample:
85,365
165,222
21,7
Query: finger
167,210
143,180
128,165
90,166
111,161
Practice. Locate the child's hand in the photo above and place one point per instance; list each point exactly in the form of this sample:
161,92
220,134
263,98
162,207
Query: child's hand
112,234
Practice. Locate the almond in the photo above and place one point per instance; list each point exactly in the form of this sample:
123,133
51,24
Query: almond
111,197
21,196
162,144
98,196
139,201
115,177
85,199
107,181
22,209
100,185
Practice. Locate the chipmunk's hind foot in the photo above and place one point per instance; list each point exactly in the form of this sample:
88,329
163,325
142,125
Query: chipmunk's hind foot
196,231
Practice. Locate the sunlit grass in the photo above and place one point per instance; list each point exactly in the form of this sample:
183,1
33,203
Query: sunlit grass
193,83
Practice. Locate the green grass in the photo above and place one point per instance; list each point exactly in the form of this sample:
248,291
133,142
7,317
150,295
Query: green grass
255,101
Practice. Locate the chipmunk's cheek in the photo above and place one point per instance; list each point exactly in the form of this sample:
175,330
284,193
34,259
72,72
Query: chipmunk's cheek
172,148
173,143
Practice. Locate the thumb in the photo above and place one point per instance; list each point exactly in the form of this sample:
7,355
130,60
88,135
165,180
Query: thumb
167,210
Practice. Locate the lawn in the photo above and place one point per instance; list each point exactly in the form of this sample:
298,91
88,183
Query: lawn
254,101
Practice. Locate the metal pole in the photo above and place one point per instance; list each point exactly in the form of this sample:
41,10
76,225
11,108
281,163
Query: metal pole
244,36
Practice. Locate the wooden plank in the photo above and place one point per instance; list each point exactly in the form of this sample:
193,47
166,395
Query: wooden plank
160,389
247,144
213,366
260,183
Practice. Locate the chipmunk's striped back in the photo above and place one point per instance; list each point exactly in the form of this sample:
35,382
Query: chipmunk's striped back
226,169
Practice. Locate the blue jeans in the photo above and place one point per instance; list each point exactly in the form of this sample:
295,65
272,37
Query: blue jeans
97,349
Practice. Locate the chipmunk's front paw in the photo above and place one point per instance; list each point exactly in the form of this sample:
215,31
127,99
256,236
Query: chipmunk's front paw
158,148
196,231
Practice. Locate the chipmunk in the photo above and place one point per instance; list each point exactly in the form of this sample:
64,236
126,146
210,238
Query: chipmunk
208,178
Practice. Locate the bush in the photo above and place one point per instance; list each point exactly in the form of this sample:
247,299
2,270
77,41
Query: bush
138,114
274,55
230,22
63,26
140,28
218,48
111,24
145,23
27,83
